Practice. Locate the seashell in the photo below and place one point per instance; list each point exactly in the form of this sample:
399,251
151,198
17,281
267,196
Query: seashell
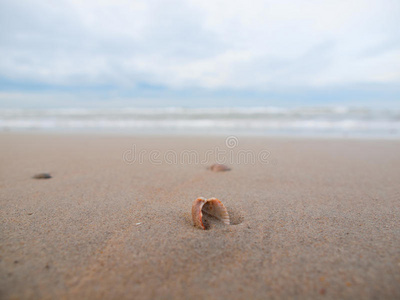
42,176
211,206
219,168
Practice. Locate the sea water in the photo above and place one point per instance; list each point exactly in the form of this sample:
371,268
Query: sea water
295,121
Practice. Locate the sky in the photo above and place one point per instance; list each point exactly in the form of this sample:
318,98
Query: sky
105,53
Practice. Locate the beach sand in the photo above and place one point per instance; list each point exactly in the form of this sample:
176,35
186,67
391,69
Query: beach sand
313,218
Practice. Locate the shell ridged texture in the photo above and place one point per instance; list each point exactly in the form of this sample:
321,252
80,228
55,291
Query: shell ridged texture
213,207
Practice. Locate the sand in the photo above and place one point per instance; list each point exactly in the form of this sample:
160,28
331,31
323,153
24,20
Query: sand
316,219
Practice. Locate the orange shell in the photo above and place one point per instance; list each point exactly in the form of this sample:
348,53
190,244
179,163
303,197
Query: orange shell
219,168
212,207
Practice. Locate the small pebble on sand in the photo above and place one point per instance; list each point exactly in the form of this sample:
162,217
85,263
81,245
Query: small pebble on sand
219,168
42,176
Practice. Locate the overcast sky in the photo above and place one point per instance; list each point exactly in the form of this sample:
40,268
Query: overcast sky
160,52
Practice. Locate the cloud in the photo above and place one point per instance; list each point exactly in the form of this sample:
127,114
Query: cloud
220,44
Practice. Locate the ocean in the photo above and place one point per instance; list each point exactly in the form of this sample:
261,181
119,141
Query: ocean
338,121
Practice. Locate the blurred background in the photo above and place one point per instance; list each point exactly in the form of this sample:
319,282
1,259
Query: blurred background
290,67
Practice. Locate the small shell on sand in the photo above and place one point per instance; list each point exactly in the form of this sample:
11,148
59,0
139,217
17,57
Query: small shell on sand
42,176
219,168
211,206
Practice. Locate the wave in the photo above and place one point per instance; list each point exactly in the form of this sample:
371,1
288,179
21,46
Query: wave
257,120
